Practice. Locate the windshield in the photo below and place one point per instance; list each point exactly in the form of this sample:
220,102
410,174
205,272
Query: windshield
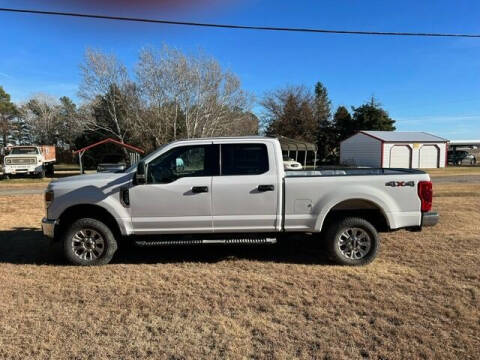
24,151
146,158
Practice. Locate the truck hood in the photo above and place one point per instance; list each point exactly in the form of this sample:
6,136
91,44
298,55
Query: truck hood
96,180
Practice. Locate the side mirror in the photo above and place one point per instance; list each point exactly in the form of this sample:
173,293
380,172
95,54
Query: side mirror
140,175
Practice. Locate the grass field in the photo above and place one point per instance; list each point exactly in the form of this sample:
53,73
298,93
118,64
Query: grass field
455,170
419,300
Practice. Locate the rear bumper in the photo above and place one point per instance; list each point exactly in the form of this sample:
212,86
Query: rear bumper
430,219
48,227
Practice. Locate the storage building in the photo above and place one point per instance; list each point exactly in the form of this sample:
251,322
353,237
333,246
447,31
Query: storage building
394,149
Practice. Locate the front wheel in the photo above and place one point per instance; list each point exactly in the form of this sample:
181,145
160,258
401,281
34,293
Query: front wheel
89,242
49,170
352,241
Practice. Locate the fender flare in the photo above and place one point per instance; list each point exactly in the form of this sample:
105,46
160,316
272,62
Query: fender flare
327,208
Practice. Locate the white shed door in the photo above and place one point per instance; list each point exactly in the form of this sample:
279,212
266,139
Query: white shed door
428,157
400,156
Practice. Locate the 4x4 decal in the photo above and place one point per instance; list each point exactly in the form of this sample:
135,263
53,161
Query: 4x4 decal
400,183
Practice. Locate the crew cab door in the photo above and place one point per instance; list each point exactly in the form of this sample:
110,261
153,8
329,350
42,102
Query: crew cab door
176,197
244,197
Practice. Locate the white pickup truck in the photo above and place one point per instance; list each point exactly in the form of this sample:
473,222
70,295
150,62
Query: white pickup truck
233,190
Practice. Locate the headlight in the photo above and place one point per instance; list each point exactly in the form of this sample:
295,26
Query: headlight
48,198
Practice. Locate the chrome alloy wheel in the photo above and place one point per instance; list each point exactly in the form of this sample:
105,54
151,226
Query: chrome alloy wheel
88,244
354,243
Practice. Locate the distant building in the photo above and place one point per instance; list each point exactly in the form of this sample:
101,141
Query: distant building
394,149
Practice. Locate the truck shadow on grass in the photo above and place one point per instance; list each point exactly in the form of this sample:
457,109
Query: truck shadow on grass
28,246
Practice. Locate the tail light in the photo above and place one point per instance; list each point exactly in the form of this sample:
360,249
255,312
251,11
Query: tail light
425,193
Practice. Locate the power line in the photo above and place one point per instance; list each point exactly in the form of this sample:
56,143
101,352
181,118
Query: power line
238,27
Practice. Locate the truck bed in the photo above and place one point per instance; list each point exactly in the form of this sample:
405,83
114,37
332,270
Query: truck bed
351,172
310,195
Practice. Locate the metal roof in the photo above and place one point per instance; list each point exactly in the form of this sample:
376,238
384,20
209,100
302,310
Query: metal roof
404,136
110,140
296,145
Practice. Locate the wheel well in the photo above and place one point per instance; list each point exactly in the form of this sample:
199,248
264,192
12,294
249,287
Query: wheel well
88,211
358,208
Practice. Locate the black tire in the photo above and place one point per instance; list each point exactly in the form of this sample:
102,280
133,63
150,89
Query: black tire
41,174
101,255
338,252
50,171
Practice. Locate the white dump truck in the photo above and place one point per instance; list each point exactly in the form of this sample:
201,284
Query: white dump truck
36,160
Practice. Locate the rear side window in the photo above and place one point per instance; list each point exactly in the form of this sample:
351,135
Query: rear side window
244,159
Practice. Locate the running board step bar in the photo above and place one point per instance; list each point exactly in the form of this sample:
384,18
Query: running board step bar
207,242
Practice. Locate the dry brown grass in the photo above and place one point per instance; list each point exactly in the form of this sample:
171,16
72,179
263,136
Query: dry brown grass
419,299
455,170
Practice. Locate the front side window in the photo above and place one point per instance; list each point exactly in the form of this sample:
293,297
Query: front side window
184,161
244,159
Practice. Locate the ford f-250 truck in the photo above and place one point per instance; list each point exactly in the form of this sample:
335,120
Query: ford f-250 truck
233,190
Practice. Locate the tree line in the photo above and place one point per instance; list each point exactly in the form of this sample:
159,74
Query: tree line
300,113
172,95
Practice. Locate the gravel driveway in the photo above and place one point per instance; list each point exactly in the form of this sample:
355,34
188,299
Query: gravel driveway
21,191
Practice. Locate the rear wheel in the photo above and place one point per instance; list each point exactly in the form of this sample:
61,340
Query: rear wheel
49,170
352,241
89,242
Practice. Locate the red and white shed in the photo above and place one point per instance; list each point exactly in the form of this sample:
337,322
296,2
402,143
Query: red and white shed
394,149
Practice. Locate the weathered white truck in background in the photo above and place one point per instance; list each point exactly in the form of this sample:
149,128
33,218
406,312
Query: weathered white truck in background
37,160
233,190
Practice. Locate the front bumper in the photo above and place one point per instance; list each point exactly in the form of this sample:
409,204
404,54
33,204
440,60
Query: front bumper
430,219
48,227
22,169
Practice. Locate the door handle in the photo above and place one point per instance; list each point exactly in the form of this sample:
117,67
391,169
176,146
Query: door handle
263,188
199,189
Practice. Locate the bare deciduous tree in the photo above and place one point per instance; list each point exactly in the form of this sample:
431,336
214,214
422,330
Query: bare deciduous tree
189,95
106,87
49,121
40,112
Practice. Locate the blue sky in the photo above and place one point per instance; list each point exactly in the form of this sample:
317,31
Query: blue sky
426,84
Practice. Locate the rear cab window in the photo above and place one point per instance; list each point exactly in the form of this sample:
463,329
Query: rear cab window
244,159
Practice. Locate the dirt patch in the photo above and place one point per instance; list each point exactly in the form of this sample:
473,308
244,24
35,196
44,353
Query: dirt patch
419,299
